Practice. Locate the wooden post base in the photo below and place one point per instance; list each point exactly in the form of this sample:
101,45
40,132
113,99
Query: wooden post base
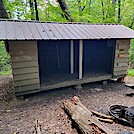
78,87
104,83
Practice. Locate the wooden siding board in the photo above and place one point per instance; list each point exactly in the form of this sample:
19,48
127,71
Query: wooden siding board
25,76
27,88
118,60
117,69
24,58
121,63
25,70
21,52
123,43
22,45
26,82
120,73
125,56
126,51
25,64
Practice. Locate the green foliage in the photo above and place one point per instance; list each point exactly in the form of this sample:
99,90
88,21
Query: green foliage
5,67
89,11
131,72
131,54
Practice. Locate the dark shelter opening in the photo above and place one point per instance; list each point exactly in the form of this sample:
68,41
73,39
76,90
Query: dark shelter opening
98,57
54,61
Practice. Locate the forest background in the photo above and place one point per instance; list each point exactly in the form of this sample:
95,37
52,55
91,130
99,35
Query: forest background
86,11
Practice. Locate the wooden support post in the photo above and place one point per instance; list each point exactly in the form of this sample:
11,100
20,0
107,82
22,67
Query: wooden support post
80,58
104,82
72,57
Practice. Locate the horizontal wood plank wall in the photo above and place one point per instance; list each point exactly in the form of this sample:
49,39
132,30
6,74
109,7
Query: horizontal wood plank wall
24,58
121,57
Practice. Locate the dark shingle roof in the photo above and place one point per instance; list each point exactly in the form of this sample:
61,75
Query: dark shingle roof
32,30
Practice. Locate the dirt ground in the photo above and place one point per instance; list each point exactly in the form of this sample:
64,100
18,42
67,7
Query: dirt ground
19,115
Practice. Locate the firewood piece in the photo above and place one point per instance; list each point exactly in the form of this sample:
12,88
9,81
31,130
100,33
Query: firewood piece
83,117
106,120
102,115
37,127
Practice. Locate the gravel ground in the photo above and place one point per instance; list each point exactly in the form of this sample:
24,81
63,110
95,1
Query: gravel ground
19,115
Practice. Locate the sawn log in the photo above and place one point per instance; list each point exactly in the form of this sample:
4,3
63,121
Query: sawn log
85,120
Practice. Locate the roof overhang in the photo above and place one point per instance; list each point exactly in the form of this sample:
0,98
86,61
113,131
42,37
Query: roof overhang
33,30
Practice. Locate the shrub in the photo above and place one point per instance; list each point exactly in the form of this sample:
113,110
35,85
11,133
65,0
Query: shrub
5,67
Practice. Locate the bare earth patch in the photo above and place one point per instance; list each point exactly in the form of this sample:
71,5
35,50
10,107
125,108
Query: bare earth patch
19,115
129,80
6,88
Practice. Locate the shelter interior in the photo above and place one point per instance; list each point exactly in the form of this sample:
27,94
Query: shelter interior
54,61
56,57
98,57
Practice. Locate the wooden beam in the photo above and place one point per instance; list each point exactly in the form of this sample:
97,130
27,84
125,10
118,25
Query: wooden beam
76,82
80,58
72,57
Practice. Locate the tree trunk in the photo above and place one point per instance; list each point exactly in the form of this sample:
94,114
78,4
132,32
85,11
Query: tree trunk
65,10
114,6
3,13
103,13
131,26
36,10
119,11
31,9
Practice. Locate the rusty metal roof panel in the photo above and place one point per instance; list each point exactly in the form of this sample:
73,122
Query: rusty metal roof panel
32,30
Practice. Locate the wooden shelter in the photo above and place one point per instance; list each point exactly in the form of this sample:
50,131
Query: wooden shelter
53,55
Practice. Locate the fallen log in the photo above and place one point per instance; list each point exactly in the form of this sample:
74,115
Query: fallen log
85,120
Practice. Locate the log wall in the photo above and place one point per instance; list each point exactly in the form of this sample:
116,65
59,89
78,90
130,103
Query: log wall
121,57
24,59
